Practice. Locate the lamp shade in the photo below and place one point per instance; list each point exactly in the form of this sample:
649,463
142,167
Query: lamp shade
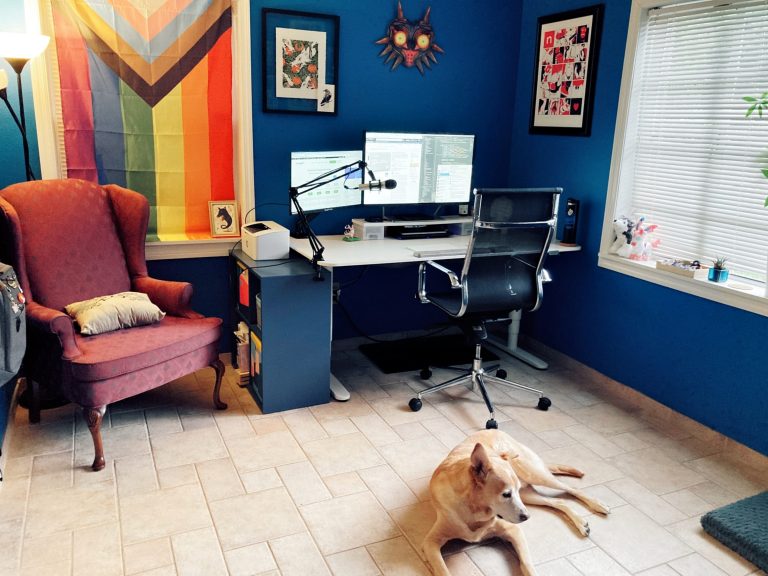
21,46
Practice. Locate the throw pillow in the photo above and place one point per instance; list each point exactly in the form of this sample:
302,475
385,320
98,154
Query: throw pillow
108,313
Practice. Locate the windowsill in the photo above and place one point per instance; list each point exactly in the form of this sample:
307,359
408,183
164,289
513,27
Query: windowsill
753,300
208,248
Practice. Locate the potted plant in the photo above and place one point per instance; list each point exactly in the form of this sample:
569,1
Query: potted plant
718,272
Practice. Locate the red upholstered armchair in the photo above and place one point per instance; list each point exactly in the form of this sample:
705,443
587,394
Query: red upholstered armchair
72,240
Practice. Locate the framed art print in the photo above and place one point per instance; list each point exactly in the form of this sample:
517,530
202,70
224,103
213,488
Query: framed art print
300,61
564,72
224,220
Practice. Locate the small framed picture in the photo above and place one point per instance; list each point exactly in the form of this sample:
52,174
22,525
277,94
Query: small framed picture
224,220
564,72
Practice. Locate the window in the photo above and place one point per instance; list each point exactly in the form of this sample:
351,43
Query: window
685,156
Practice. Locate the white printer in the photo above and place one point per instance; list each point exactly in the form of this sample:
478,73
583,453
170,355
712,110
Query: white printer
265,240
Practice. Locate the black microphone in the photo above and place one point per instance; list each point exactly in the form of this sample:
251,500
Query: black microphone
378,185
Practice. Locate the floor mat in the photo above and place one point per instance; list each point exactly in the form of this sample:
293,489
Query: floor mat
743,527
413,354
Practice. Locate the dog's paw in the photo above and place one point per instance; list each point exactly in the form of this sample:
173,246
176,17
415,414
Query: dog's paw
601,508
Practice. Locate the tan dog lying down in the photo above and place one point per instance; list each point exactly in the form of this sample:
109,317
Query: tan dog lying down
480,490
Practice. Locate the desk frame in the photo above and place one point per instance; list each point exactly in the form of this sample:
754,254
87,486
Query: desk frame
339,252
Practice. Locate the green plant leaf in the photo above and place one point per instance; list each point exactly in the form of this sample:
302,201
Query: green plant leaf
766,202
765,172
751,109
750,99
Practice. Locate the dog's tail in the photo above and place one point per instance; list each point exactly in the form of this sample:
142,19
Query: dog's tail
564,470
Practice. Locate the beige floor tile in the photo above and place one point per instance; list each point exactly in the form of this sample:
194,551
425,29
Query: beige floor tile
650,543
130,418
395,557
691,532
162,513
264,451
232,422
395,411
655,471
537,421
261,480
445,431
52,471
695,565
415,521
378,432
388,487
344,484
495,558
420,487
196,418
687,502
70,508
730,475
653,506
355,406
356,561
43,438
18,467
595,562
147,555
297,555
135,475
97,550
188,447
329,522
411,430
304,426
266,424
197,553
332,456
608,419
163,420
460,563
663,570
560,567
177,476
162,571
13,497
595,441
303,483
714,494
11,544
338,426
42,552
249,560
415,458
556,438
118,443
550,535
253,518
219,479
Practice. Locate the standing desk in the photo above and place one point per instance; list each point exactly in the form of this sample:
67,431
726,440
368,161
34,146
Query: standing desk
339,252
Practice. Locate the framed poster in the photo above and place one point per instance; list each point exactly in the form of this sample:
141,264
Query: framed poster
224,221
300,61
564,72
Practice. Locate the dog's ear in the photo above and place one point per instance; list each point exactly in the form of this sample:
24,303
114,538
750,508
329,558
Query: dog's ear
480,463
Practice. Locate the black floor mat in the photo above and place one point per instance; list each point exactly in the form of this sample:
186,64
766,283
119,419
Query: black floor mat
413,354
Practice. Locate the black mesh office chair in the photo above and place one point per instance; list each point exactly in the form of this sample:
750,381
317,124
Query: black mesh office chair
502,271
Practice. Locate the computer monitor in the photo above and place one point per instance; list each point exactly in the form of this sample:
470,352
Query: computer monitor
428,168
306,166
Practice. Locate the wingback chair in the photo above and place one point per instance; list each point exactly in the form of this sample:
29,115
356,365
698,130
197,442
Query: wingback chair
72,240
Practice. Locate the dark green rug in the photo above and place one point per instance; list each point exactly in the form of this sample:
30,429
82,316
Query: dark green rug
413,354
743,527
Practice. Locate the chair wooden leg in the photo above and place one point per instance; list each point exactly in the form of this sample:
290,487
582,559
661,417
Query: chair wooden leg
218,365
93,417
33,397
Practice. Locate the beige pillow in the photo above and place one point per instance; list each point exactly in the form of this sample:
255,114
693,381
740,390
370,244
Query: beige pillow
107,313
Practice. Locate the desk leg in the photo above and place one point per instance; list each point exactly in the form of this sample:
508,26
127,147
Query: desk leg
338,391
511,347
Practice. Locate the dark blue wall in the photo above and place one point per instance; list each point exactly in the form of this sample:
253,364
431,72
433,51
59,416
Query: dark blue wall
705,360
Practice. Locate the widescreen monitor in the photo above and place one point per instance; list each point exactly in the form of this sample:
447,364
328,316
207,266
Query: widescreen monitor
306,166
428,168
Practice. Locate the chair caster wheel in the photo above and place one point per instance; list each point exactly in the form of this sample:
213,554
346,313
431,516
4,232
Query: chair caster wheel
544,403
425,374
501,373
415,404
491,424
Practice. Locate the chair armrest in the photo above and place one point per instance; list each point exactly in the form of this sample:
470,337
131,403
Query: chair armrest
452,277
171,297
49,321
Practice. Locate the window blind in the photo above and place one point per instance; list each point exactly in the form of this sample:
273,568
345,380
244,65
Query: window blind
692,161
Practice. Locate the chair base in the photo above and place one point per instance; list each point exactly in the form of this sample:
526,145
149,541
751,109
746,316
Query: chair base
477,377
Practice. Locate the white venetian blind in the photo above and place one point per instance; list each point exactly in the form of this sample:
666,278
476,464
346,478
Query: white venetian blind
692,161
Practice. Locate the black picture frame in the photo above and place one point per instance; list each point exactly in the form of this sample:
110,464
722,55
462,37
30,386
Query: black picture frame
564,71
312,40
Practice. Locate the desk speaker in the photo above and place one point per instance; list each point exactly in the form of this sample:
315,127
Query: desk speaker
571,221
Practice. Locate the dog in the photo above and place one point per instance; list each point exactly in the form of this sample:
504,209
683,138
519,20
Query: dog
481,489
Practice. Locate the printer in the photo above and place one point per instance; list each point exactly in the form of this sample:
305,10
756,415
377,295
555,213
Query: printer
265,240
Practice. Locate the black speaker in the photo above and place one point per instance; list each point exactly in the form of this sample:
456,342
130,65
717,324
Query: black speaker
571,220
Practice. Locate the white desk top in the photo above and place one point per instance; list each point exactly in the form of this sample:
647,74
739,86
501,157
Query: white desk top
389,250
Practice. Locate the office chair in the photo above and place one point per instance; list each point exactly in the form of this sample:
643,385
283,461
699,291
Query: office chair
502,272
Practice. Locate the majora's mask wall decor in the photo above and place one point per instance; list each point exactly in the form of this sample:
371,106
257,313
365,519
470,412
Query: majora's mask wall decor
408,43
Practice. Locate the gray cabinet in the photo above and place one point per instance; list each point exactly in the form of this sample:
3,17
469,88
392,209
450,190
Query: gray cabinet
288,313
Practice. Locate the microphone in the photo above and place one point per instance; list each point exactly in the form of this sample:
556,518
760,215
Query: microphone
378,185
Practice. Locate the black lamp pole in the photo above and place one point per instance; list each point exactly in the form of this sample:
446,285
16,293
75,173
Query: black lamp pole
18,65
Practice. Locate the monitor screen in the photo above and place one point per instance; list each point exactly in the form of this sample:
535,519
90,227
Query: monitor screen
306,166
428,168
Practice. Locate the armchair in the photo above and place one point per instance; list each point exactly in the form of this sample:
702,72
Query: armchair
502,271
72,240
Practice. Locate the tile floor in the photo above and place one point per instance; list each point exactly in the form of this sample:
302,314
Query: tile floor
341,488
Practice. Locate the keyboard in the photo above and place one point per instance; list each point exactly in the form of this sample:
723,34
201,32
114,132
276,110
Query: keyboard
441,253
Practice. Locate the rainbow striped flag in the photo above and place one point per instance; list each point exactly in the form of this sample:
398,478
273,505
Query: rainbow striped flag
145,91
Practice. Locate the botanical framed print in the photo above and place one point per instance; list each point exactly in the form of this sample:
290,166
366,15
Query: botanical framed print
224,220
300,61
564,72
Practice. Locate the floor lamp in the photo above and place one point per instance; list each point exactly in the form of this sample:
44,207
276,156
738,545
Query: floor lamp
18,49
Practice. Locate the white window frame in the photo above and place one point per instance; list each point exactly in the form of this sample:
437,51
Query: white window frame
755,300
242,128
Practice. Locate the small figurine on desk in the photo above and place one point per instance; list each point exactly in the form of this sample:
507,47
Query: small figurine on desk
349,234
